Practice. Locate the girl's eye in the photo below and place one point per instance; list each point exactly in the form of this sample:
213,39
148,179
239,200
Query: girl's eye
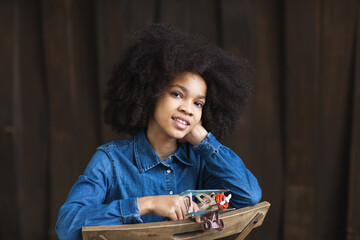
176,94
199,104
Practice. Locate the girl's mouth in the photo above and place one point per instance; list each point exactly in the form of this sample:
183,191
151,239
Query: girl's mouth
181,123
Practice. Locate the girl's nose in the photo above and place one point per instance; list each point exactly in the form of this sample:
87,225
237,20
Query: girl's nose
186,108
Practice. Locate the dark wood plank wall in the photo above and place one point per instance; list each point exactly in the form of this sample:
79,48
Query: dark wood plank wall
353,207
9,201
301,113
253,30
70,62
300,135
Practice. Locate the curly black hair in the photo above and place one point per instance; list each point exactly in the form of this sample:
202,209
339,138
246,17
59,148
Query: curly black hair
157,54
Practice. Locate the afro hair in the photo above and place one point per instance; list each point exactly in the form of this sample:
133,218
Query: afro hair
157,54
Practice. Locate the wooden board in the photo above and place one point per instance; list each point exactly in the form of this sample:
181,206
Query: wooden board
353,208
252,29
318,80
115,20
24,139
9,206
336,80
34,134
192,16
301,108
235,221
71,85
299,136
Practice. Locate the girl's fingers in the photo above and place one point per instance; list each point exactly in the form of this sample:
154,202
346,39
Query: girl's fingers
179,214
173,216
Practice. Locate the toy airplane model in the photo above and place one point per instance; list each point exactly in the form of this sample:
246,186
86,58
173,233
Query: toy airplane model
212,202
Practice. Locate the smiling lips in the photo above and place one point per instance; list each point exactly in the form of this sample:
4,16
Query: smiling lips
181,123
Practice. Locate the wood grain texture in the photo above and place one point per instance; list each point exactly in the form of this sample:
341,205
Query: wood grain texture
353,209
302,121
251,29
336,55
192,16
70,62
299,135
34,122
115,21
10,216
234,221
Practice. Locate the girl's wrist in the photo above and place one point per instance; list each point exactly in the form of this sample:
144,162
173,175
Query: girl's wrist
198,135
145,205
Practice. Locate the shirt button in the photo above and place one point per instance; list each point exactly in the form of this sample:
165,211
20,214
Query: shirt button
168,171
170,157
171,192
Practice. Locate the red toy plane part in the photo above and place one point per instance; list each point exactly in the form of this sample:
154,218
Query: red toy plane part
220,197
222,201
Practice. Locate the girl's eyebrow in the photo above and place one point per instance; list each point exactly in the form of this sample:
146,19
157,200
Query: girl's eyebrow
185,90
179,86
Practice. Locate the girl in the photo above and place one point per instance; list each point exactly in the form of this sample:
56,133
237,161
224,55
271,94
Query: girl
176,95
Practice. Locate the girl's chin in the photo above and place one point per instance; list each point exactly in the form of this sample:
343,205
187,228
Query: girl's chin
179,135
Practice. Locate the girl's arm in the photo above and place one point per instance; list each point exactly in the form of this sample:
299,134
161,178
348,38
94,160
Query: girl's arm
224,169
85,204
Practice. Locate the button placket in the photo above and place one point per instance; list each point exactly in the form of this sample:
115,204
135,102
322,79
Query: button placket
169,173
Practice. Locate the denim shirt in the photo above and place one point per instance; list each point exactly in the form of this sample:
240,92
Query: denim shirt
122,171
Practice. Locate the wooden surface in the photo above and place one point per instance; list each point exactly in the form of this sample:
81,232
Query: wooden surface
299,135
71,89
301,85
353,207
235,221
252,29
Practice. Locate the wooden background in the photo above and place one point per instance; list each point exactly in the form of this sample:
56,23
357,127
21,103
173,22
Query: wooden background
300,135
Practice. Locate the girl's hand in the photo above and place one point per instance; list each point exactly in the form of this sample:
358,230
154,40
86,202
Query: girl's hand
171,206
195,137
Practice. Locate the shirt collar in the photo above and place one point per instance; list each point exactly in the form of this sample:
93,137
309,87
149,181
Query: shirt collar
181,154
146,158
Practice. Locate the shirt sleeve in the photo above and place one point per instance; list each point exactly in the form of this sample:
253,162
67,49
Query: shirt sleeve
86,203
225,170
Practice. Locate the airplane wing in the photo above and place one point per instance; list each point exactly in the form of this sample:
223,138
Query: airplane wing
194,192
198,213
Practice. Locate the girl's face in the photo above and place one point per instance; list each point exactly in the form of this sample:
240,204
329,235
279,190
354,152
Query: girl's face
179,109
